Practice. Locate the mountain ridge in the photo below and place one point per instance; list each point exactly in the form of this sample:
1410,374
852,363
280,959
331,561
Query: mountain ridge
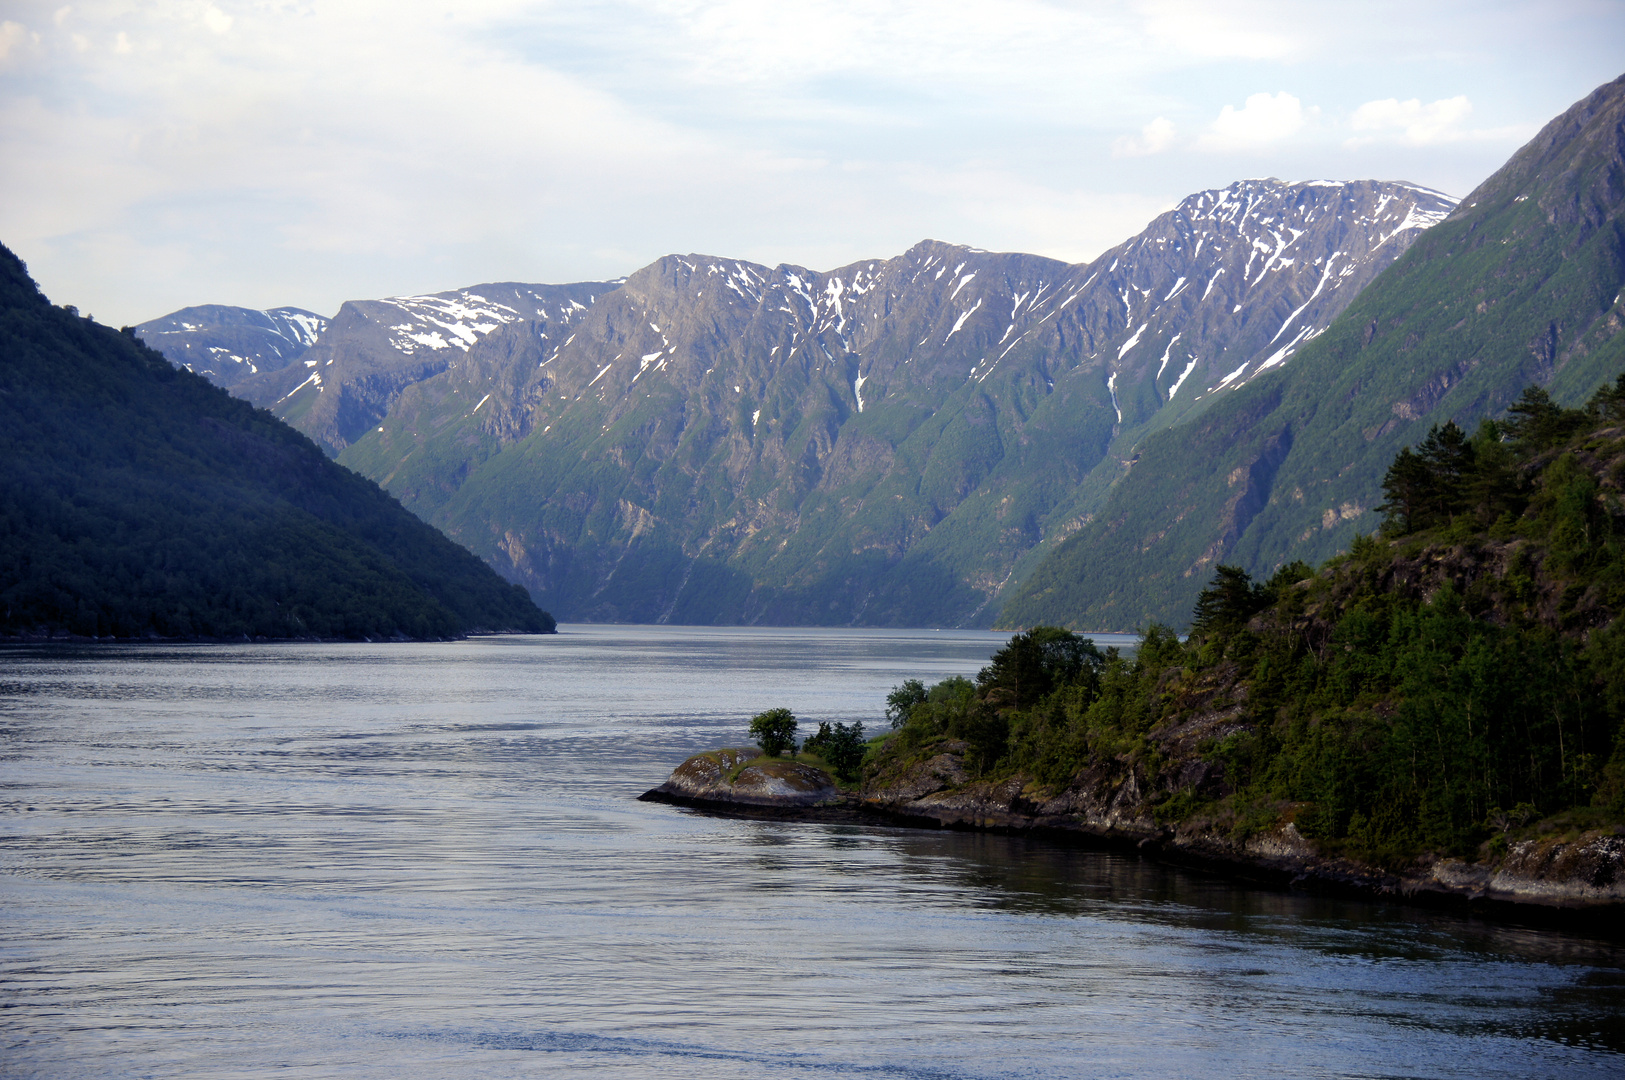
1521,284
230,345
889,442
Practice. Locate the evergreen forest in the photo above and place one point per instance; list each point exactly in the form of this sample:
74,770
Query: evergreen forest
137,500
1453,678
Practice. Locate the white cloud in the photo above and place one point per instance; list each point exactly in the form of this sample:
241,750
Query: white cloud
1264,119
1413,122
216,20
1240,29
1068,224
11,35
866,62
271,151
1154,138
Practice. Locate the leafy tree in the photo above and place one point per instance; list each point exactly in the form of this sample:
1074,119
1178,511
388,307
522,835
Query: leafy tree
1431,484
1449,457
1493,488
1285,577
774,731
943,711
902,699
1607,405
1406,487
1036,662
816,742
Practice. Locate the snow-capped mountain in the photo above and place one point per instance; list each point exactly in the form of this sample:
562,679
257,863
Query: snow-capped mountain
818,446
1232,282
888,442
375,348
229,345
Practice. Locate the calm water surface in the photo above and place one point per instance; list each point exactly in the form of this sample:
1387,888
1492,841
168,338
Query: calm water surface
428,861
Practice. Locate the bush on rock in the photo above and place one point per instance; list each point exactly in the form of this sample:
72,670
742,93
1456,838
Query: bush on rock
774,731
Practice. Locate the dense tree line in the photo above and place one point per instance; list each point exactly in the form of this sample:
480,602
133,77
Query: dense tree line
1435,686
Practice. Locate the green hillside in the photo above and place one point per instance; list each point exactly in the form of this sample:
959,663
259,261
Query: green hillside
1522,284
1451,686
889,443
138,500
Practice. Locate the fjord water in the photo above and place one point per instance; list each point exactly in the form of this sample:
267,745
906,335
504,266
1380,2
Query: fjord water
429,861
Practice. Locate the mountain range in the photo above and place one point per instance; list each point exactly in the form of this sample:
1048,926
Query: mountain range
894,442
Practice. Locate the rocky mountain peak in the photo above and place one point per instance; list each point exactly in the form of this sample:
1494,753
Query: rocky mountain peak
230,345
1574,168
948,408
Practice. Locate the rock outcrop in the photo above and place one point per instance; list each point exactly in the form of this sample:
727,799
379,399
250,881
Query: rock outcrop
746,777
1565,877
1579,873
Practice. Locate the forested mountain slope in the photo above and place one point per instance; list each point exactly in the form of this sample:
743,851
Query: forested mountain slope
1438,709
1521,284
138,500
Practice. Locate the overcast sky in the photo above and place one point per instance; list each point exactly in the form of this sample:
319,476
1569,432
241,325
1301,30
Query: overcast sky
156,155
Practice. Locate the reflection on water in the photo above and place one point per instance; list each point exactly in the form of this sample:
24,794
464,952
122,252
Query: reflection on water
427,860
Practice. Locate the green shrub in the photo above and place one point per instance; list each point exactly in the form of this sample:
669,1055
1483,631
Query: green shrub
774,731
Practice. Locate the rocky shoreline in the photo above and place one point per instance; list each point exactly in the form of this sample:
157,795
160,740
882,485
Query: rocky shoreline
1570,881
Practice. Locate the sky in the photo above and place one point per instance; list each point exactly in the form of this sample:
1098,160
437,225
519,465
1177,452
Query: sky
277,152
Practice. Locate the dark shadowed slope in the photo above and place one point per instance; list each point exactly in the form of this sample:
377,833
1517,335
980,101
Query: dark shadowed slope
139,500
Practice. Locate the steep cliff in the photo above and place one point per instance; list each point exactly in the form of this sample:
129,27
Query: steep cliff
1523,283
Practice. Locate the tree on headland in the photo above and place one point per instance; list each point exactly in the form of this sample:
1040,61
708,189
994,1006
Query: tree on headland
1035,662
1390,705
841,747
774,731
902,699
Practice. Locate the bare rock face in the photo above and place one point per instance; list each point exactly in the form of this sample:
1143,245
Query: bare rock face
917,780
1584,871
1102,800
746,777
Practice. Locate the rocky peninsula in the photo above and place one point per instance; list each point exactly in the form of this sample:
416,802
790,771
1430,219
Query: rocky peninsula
1576,877
1435,716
